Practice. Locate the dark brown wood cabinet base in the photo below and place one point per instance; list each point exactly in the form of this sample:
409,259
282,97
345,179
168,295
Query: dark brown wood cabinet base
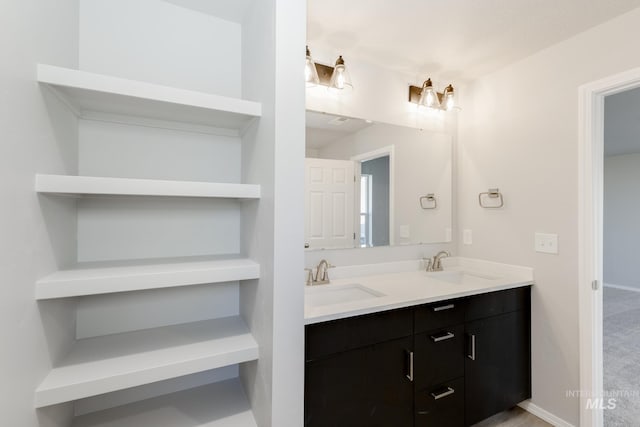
446,364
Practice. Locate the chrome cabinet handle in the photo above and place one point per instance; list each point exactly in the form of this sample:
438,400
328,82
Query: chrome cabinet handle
472,356
447,392
445,336
443,307
410,374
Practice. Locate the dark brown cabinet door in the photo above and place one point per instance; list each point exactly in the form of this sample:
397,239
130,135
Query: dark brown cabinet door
498,364
364,387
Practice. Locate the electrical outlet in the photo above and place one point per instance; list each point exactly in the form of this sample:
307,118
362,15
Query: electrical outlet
546,243
467,237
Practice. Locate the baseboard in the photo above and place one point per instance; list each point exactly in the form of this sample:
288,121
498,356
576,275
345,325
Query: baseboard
622,287
544,414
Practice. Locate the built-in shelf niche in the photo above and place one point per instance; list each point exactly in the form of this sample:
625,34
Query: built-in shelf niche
163,127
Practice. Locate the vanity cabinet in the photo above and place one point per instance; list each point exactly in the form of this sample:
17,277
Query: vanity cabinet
446,364
357,371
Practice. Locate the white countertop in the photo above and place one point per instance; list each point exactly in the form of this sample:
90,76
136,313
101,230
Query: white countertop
389,286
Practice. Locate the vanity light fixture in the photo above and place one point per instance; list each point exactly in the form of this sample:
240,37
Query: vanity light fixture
310,71
335,78
427,96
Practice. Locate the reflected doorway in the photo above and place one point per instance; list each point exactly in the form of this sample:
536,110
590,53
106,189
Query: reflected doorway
375,204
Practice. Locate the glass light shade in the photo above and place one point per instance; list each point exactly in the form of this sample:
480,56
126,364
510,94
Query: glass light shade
428,96
310,72
340,78
448,98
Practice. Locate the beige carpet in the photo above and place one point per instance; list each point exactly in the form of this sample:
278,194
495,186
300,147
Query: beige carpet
621,354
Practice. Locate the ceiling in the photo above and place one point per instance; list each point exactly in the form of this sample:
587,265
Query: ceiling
622,123
456,40
323,128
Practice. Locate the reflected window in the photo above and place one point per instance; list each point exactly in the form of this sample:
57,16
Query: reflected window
376,230
366,190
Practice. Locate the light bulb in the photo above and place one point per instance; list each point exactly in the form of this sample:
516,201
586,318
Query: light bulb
340,77
449,98
450,103
431,98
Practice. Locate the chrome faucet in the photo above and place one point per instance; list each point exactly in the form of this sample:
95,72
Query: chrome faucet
322,272
437,260
435,263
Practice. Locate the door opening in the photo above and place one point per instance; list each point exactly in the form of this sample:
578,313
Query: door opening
590,244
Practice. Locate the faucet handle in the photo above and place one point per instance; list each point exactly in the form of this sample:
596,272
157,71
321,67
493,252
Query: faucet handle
428,263
309,272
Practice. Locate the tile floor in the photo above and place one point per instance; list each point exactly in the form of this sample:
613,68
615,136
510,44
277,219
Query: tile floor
514,417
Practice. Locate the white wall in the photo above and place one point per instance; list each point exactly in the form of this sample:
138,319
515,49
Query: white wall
272,232
519,132
160,42
621,224
39,135
380,95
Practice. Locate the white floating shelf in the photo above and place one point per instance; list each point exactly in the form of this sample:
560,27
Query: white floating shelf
89,92
116,362
222,404
123,276
90,185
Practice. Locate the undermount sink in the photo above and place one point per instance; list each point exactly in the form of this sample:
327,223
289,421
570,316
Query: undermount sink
321,295
460,277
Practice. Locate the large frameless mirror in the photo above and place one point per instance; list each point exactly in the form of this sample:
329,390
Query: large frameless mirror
375,184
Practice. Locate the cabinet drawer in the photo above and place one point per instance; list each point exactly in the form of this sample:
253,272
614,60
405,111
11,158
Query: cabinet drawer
496,303
441,405
326,338
439,315
438,356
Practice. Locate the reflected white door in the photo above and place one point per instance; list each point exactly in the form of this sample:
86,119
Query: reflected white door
329,203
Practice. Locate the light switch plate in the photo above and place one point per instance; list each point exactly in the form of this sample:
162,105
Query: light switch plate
467,237
404,232
546,243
